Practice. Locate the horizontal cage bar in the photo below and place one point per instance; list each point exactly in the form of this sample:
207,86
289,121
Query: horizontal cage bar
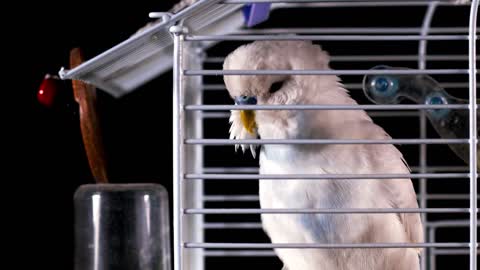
216,115
448,224
325,176
353,30
447,197
349,86
326,37
204,72
324,246
323,141
264,253
256,169
252,198
325,107
372,58
453,252
258,225
232,198
241,225
372,4
239,253
207,211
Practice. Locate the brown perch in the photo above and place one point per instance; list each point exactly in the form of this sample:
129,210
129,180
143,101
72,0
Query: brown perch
86,97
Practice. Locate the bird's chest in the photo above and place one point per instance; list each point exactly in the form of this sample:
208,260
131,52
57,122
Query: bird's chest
299,194
290,160
295,194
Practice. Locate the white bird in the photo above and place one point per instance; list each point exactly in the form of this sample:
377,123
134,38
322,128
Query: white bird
321,159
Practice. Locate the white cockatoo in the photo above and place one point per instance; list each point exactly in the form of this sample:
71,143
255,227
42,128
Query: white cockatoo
321,159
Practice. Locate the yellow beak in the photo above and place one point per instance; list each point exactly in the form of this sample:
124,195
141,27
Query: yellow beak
248,120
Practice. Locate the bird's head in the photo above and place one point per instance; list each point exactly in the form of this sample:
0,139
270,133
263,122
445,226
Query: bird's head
270,89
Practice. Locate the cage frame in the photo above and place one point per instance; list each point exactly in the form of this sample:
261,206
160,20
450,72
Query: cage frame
181,36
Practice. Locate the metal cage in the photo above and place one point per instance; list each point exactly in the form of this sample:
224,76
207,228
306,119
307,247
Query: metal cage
186,70
198,212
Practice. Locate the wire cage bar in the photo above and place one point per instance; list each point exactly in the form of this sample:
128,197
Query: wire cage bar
190,201
325,72
327,37
472,80
178,149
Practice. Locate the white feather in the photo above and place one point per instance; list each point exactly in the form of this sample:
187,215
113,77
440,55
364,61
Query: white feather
238,131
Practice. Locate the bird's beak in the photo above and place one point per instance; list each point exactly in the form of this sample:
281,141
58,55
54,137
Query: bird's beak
248,120
247,116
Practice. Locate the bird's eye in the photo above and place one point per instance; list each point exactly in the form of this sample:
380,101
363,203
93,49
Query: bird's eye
275,87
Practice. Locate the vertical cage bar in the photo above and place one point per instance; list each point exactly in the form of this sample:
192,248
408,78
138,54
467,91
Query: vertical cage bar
432,255
193,190
423,183
422,64
178,146
472,81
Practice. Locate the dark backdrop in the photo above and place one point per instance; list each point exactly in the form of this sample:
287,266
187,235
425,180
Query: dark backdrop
45,161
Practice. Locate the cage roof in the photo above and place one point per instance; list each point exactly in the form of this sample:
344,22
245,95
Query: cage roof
148,53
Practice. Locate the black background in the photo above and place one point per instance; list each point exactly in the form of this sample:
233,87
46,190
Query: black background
45,160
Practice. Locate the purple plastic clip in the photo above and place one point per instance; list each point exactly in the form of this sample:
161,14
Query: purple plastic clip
256,13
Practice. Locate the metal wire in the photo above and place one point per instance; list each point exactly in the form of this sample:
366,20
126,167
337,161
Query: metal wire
324,141
448,224
243,225
325,72
282,211
258,225
325,107
239,253
178,147
349,86
354,30
256,169
210,115
422,64
326,37
324,176
472,80
224,198
324,246
262,253
372,58
373,4
252,198
453,252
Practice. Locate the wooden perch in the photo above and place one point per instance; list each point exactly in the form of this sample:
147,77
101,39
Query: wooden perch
86,97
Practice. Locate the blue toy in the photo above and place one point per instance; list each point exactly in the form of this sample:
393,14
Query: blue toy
422,89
